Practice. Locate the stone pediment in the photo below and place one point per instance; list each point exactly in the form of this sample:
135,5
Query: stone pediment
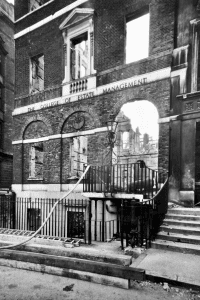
76,16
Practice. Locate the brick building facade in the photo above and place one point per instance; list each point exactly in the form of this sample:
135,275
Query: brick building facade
6,92
72,76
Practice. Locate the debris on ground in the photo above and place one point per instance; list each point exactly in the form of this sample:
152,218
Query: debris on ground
70,243
166,286
166,291
134,252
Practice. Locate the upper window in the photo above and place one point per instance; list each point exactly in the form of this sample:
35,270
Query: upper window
79,62
137,38
1,71
1,64
1,134
37,74
1,98
33,4
78,34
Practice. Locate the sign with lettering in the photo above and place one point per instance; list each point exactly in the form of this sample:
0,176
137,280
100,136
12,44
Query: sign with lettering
101,90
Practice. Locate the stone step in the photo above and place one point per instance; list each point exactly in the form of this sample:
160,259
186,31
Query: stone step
184,211
178,237
181,223
183,217
50,247
180,229
176,246
103,273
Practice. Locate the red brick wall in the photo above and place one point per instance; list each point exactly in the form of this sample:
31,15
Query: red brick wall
109,36
7,35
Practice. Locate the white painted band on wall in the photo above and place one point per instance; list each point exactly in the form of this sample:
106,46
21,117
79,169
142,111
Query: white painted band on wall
50,18
32,12
59,136
167,119
101,90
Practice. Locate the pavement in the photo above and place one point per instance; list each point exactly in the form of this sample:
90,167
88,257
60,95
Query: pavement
21,284
172,267
175,268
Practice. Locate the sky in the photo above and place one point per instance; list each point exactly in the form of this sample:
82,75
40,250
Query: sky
137,41
11,1
143,114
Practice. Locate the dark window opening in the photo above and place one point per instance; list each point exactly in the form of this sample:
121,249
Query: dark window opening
79,58
33,219
37,73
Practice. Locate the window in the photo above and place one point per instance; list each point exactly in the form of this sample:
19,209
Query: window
1,71
1,98
125,140
79,56
78,155
78,51
1,64
33,4
33,219
75,224
137,38
37,74
1,135
36,162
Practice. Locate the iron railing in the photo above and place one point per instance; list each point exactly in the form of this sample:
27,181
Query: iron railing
140,221
69,219
124,178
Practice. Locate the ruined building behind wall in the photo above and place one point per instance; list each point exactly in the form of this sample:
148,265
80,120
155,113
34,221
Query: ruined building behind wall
74,72
7,74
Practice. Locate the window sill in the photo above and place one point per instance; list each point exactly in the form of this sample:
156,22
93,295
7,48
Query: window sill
79,85
35,179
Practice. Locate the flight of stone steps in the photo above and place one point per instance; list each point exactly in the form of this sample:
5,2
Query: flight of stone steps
180,231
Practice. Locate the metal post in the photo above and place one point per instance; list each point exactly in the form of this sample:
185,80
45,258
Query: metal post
89,221
103,219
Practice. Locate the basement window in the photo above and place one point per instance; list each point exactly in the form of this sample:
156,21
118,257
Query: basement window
137,38
34,4
37,74
33,219
36,162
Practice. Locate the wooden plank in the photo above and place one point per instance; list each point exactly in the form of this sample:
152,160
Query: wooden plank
75,264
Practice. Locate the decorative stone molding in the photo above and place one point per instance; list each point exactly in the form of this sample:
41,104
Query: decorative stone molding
79,22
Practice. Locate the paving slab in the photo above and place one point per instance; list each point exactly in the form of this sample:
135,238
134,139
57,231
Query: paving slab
180,268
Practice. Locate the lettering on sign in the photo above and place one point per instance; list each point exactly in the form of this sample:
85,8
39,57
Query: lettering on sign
67,100
31,109
189,106
126,85
86,96
51,104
